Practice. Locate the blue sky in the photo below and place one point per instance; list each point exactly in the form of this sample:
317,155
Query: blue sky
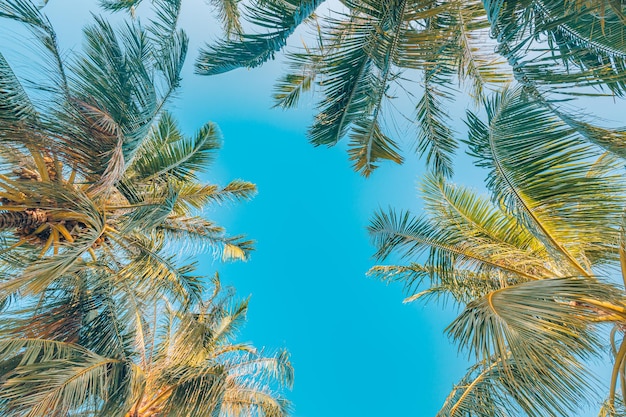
357,350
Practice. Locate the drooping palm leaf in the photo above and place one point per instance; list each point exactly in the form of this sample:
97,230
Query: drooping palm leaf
539,169
584,43
278,17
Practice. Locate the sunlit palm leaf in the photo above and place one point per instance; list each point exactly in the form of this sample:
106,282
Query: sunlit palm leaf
72,380
539,169
488,390
166,152
228,12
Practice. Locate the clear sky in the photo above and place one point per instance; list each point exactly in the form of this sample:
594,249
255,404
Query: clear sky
357,350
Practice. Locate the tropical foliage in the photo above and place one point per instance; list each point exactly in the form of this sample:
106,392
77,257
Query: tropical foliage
537,266
364,55
95,174
102,313
98,185
107,363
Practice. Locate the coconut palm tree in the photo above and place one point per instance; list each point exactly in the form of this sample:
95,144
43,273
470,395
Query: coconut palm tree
539,267
363,55
94,173
174,363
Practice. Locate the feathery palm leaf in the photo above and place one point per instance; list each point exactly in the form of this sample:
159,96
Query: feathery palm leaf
585,44
524,263
278,17
185,364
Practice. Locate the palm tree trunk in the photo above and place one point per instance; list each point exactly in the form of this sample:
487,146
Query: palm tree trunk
27,219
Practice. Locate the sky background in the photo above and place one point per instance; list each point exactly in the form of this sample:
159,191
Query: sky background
357,350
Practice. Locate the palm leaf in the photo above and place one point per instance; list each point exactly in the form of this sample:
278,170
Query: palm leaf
29,14
585,45
544,178
488,390
87,382
279,17
448,250
435,138
174,155
228,12
535,322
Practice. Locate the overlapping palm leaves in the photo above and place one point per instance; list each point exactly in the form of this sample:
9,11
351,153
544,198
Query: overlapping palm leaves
362,52
535,266
103,177
100,191
78,356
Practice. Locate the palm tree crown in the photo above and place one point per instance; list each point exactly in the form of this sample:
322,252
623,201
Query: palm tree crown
535,267
102,177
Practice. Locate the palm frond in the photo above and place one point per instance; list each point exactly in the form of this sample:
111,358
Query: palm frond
117,5
254,402
538,168
488,390
304,70
156,274
15,105
534,322
462,286
447,249
279,17
584,45
435,138
484,70
228,12
26,12
86,382
175,155
356,74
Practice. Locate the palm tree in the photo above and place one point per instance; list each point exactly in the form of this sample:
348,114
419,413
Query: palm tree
95,174
539,268
363,54
176,363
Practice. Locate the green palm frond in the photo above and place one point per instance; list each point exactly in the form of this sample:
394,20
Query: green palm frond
164,24
15,105
117,5
498,388
462,286
453,206
70,379
278,17
304,70
448,250
355,76
228,12
64,390
610,139
196,196
545,178
26,12
195,234
175,155
114,94
484,70
254,402
277,367
544,318
584,45
435,139
149,269
197,391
